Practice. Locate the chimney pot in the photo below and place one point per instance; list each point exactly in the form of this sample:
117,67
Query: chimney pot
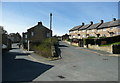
39,23
114,19
101,21
91,22
83,23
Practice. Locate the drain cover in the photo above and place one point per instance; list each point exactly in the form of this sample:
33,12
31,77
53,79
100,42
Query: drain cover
62,77
105,59
74,66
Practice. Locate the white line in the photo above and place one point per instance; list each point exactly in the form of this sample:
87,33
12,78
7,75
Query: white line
39,61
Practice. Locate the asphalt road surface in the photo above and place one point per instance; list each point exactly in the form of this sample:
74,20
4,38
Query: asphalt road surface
77,64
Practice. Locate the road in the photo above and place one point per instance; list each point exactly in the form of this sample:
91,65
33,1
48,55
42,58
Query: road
77,64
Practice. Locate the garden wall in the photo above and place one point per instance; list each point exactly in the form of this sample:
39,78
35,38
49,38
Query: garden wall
102,48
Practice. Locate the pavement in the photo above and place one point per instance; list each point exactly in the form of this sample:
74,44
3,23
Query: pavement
19,66
76,64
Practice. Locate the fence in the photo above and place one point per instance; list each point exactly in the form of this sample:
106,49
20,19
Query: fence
102,41
116,49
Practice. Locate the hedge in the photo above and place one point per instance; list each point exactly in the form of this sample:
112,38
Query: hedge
102,41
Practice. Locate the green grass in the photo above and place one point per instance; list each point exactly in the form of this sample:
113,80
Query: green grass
91,37
69,40
111,44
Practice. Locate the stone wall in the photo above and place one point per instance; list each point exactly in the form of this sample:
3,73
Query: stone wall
67,42
96,47
102,48
74,44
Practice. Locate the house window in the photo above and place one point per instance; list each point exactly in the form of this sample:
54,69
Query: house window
25,41
48,34
104,35
32,33
83,35
92,34
117,33
70,31
87,31
111,34
74,31
25,36
93,30
73,36
104,29
98,30
117,27
111,28
87,35
83,30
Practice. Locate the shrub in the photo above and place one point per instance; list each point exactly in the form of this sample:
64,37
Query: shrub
90,37
44,48
69,40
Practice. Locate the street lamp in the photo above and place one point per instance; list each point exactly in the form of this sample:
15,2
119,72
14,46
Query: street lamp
51,27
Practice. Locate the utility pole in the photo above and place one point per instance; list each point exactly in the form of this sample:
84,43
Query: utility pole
51,28
51,34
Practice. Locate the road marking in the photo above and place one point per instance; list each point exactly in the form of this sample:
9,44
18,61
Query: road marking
33,58
36,59
91,51
39,60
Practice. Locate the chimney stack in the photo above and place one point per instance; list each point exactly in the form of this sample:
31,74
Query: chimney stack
101,21
91,22
39,23
83,23
114,19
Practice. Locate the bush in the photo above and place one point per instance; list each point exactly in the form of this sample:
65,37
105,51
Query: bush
102,40
90,37
44,48
88,41
69,40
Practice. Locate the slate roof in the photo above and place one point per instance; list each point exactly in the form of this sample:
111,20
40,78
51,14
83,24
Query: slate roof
110,24
36,26
104,25
97,25
76,28
115,23
94,26
85,26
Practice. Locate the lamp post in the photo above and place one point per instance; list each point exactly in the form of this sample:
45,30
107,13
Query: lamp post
28,45
51,33
51,28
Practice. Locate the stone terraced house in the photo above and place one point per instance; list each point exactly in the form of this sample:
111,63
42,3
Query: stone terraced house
106,29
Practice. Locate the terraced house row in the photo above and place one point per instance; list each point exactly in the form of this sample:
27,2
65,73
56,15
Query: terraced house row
106,29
